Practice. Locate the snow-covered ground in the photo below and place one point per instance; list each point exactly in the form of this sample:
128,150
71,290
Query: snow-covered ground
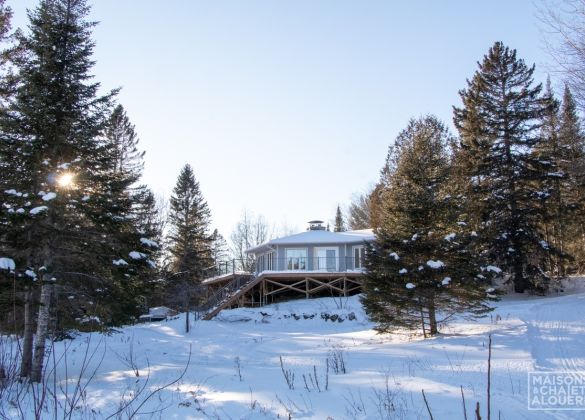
272,362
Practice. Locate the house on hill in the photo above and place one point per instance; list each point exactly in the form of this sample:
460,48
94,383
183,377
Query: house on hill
316,250
314,263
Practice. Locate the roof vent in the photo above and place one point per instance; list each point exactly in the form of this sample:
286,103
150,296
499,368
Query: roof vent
316,225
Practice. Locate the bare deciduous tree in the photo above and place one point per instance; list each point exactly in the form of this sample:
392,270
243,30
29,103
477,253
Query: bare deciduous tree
359,212
563,28
250,231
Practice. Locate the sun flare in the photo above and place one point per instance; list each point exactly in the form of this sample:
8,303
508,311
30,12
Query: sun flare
65,180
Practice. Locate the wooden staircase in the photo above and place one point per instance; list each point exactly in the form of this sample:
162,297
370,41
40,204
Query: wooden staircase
227,295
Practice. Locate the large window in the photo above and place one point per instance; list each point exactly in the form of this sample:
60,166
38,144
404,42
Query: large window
325,259
270,261
296,258
358,257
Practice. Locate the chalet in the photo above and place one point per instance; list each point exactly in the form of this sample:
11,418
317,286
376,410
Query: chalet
309,264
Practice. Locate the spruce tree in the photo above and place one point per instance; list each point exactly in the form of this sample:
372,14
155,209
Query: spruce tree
56,181
572,164
189,239
189,219
424,260
219,248
135,236
339,222
499,126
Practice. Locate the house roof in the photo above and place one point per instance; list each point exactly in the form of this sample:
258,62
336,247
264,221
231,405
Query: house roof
318,237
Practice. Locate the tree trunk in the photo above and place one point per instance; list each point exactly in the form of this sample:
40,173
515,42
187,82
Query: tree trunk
433,330
520,283
187,312
27,340
42,331
422,322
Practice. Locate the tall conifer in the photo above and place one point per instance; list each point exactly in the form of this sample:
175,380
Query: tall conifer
58,186
499,126
189,219
424,260
572,163
339,222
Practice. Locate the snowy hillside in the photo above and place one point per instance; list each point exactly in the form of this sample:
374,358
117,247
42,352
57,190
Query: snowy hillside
272,363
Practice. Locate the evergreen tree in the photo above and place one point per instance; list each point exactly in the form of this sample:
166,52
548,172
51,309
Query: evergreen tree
424,260
57,182
189,240
219,248
134,231
499,125
127,158
189,218
339,222
571,163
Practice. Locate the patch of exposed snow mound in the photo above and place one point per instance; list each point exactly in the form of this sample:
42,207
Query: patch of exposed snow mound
148,242
410,286
493,269
49,196
403,271
119,262
394,255
435,264
38,210
135,255
450,237
446,281
7,264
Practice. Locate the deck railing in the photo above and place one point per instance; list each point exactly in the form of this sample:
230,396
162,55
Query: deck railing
236,265
324,264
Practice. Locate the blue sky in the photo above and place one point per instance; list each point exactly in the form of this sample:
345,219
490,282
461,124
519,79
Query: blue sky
286,108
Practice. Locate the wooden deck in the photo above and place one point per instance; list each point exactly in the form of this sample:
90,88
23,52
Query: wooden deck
269,287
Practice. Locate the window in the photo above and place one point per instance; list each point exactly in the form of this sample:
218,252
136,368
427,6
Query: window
270,261
325,259
260,264
358,257
296,258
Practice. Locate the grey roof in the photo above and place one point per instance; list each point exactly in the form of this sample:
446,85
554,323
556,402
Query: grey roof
319,237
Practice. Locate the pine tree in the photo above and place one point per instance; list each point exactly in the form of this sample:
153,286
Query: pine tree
572,163
219,248
189,218
499,126
55,177
552,208
189,239
134,228
424,260
339,222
